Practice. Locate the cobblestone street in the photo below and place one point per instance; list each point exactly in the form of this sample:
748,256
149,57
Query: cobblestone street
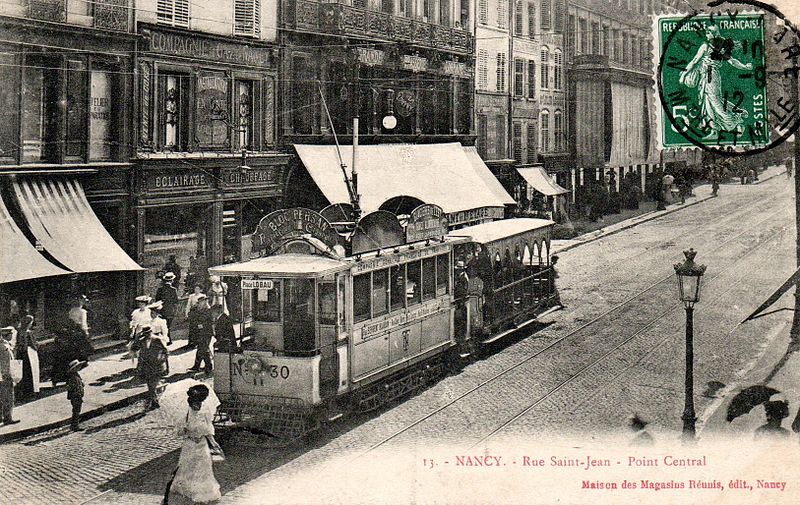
616,349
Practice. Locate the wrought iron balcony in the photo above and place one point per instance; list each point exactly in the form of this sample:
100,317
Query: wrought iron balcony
340,19
105,14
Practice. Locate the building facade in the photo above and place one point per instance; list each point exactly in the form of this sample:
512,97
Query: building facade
65,158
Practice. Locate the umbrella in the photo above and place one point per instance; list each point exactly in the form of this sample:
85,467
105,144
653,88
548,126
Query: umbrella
174,406
748,398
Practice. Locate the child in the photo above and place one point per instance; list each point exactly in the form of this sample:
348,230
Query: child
75,392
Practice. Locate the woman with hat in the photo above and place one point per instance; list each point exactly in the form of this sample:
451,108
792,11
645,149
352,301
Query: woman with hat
153,363
218,293
28,351
158,325
194,479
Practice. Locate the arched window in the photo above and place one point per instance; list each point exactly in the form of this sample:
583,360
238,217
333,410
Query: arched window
544,69
544,131
535,254
545,256
558,131
526,255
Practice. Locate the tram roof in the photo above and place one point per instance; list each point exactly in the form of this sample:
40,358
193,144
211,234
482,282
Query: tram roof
283,265
498,230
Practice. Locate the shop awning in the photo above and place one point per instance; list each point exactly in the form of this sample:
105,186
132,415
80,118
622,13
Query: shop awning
19,260
486,175
540,181
441,174
59,216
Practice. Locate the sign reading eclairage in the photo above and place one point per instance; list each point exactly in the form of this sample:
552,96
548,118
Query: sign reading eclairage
281,226
426,221
257,284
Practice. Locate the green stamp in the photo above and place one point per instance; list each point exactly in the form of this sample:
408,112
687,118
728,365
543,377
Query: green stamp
712,81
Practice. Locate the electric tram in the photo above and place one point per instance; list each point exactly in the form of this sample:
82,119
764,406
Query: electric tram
333,320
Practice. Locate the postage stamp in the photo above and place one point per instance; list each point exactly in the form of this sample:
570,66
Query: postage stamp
713,80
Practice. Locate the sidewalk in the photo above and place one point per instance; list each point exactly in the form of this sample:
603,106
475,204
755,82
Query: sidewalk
110,383
702,193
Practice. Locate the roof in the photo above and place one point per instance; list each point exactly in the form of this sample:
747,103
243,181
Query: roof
59,216
19,260
497,230
283,265
441,174
540,181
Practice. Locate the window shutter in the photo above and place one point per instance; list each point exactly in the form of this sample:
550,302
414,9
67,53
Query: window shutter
531,143
558,20
531,19
173,12
502,14
483,12
501,71
517,142
182,13
545,13
518,17
519,77
247,17
531,79
483,69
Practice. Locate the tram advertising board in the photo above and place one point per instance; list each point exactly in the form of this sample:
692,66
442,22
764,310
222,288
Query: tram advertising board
281,226
426,221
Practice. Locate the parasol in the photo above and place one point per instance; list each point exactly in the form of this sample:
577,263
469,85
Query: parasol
747,398
174,406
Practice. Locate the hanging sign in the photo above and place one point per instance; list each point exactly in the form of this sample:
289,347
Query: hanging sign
281,226
370,57
415,63
257,284
405,102
426,221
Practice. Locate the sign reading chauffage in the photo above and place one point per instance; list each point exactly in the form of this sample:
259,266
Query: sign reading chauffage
281,226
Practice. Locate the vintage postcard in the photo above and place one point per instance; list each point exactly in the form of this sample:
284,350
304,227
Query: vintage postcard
400,252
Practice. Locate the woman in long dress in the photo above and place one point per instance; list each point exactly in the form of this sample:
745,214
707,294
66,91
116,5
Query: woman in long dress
28,352
703,72
194,479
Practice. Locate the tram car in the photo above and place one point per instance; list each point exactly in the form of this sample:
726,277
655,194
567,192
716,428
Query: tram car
334,321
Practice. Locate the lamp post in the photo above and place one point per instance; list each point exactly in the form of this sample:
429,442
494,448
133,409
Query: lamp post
689,276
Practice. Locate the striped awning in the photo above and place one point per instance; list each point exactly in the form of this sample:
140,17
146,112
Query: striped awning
19,260
59,216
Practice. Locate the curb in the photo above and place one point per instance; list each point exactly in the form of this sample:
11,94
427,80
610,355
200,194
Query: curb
644,218
90,414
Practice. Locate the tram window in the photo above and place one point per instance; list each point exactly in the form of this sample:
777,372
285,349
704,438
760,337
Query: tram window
442,273
327,303
428,278
361,297
413,284
397,276
298,324
380,292
268,304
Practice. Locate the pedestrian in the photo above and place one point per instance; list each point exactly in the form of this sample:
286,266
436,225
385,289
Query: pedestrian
460,293
194,298
714,182
168,295
158,325
194,478
638,426
222,329
79,318
153,363
27,349
75,392
218,293
172,266
140,317
789,167
70,343
201,332
8,376
751,176
776,411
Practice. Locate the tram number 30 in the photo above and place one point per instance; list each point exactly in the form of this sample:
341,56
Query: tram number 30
282,372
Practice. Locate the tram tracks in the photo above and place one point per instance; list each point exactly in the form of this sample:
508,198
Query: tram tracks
560,342
602,385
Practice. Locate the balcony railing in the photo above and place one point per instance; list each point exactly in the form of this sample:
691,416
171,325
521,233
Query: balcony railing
105,14
340,19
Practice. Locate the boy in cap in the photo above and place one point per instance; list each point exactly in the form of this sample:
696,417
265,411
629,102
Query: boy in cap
75,392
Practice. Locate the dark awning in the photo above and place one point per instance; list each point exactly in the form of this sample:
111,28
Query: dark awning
59,216
19,260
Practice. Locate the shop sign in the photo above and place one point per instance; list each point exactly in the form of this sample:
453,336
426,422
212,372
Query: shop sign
388,260
556,100
191,46
454,68
480,214
185,180
277,228
257,284
426,221
405,102
251,176
415,63
370,57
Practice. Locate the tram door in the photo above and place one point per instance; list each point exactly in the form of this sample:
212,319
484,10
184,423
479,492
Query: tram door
330,319
298,317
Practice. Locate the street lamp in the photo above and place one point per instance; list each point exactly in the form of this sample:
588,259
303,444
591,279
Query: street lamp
689,276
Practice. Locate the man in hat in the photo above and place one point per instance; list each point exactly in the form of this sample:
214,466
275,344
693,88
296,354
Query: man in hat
153,363
6,381
75,392
168,295
158,325
222,329
200,333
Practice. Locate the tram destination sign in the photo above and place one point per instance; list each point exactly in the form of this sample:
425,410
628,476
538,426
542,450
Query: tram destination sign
279,227
426,221
257,284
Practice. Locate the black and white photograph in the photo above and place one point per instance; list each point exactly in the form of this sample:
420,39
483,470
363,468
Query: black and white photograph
399,252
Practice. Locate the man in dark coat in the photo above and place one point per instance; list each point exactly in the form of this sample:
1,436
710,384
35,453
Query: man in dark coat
222,327
168,295
201,333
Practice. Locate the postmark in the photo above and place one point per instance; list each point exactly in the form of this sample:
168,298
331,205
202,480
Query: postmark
724,78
